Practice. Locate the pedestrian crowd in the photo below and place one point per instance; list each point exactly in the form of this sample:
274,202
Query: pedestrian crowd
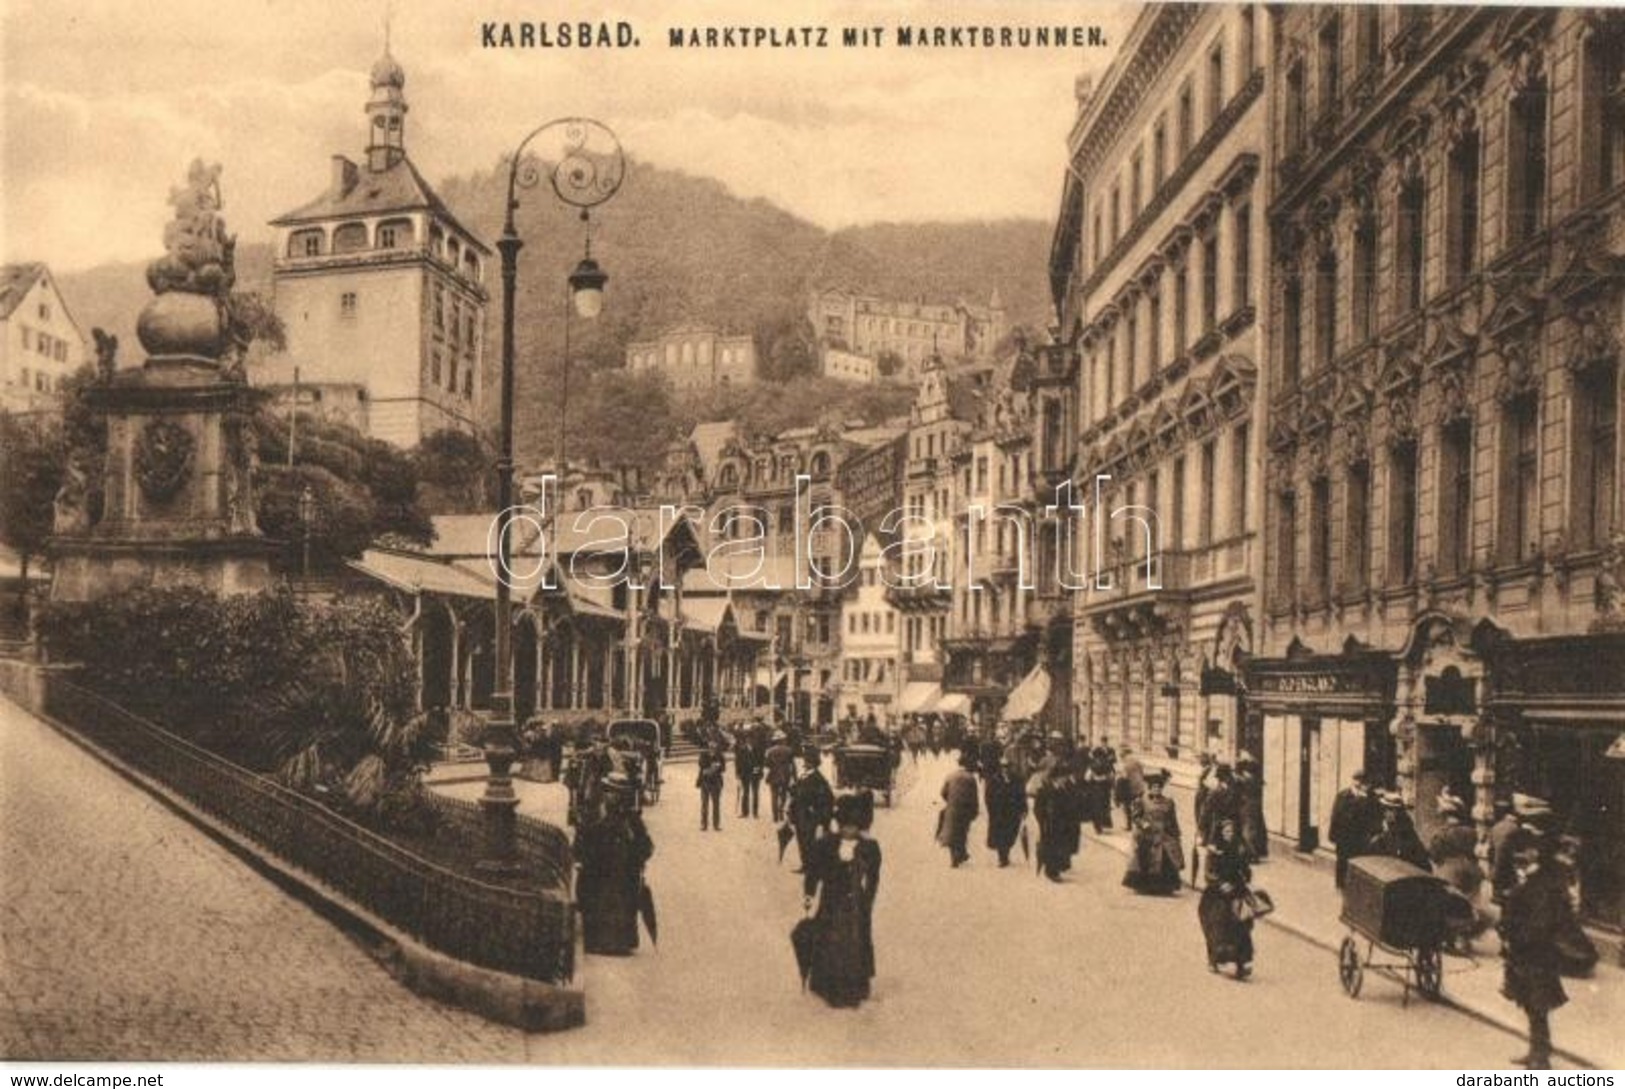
1017,773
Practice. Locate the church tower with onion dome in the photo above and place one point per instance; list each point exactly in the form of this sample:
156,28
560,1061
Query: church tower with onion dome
382,291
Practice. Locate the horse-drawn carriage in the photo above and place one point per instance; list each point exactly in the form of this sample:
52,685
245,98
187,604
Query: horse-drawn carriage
870,767
1406,912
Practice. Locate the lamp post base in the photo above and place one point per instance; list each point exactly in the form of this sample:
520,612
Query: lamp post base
499,803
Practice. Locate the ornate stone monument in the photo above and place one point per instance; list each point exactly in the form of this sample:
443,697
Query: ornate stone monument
178,486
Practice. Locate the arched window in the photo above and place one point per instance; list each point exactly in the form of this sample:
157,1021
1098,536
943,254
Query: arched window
820,465
729,477
350,238
306,243
395,234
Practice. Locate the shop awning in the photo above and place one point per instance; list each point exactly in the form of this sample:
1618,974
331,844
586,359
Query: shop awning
1029,697
954,703
919,697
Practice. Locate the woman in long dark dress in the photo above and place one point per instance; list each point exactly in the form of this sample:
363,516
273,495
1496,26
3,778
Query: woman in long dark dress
1229,869
612,852
1154,865
844,872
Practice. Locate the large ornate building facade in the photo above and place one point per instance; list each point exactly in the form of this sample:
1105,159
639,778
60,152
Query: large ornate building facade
1444,397
1159,272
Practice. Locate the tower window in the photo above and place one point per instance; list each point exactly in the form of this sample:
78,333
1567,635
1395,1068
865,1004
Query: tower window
347,304
386,238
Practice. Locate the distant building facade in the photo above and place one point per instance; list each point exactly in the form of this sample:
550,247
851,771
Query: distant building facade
868,325
40,343
382,292
696,357
848,367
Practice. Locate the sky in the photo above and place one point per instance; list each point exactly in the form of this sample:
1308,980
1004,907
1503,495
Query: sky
105,102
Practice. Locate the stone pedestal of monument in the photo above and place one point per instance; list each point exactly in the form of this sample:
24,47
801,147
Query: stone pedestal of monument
178,491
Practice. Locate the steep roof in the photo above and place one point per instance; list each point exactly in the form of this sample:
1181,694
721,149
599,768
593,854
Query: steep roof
15,282
397,188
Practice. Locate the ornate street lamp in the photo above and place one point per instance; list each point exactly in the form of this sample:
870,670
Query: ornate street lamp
587,174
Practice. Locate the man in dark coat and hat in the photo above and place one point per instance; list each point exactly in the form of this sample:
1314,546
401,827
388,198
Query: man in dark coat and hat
611,853
1005,793
960,808
749,753
811,806
780,762
1536,913
713,769
1355,819
1397,838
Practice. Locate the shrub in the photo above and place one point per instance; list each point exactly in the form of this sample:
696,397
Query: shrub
320,695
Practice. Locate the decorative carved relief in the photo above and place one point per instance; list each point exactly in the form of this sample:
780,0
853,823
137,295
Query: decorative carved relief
1520,376
1595,346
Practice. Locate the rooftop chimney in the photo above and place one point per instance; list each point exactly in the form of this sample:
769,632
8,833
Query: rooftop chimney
345,175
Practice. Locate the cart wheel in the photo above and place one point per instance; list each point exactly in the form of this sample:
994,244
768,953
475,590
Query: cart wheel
1349,971
1429,971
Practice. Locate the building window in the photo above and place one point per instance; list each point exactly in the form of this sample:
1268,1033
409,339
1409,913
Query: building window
1159,154
386,238
1153,301
1357,529
468,382
1456,498
1461,233
1603,115
1136,179
1117,215
1215,84
1210,280
1520,468
28,337
44,311
1243,248
1249,42
1320,538
347,304
1596,450
1187,119
1526,168
1182,307
1412,234
1365,277
1204,526
1326,309
1296,107
981,476
1368,35
1131,345
1331,65
1100,241
1176,528
1111,373
1402,464
1286,547
1291,333
350,238
1240,475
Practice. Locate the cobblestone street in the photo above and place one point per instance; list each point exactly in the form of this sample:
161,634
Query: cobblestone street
128,934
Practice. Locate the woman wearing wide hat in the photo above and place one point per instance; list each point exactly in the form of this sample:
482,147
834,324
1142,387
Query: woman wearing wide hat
843,871
1157,858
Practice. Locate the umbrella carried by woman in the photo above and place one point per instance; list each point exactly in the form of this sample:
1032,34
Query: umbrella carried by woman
1227,920
837,949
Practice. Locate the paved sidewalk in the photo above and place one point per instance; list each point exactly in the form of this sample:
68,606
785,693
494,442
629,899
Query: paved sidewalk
1590,1029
